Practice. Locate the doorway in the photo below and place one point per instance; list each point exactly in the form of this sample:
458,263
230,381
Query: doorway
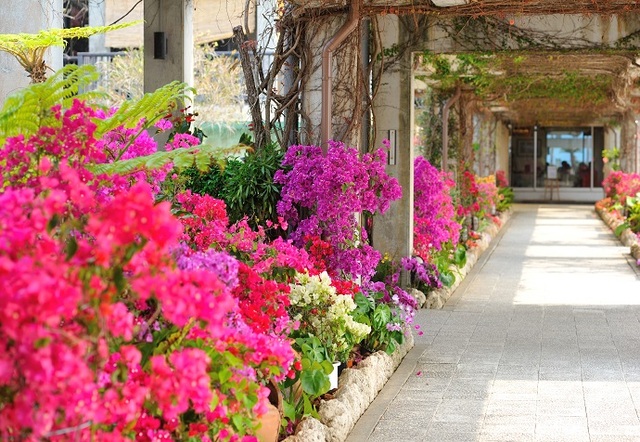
572,155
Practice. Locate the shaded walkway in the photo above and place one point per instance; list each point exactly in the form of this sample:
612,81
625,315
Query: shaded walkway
541,342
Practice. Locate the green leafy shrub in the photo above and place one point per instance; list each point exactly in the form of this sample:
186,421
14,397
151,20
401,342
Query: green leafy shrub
373,311
505,198
244,183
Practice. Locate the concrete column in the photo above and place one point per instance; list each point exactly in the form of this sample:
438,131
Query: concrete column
628,142
27,16
175,19
97,18
393,106
502,149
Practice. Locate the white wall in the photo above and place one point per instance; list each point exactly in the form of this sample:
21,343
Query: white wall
26,16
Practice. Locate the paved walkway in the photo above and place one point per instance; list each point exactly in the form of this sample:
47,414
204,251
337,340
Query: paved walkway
541,342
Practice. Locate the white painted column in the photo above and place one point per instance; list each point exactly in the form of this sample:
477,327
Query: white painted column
175,19
97,18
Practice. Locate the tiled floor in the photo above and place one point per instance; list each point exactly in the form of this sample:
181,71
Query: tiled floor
541,342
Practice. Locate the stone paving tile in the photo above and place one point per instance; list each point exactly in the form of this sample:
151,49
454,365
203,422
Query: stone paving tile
561,406
439,436
426,385
431,370
478,371
524,372
564,372
560,426
399,433
563,389
449,427
614,438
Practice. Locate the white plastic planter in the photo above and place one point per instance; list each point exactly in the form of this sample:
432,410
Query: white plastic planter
333,377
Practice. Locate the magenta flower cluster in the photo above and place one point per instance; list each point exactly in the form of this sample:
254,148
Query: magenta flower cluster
322,193
620,185
434,213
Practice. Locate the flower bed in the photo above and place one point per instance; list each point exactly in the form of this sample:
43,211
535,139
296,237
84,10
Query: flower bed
620,209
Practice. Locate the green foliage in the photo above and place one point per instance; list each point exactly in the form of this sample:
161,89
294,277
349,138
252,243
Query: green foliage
29,49
26,43
29,109
203,158
449,71
245,184
311,382
377,315
505,199
633,213
443,260
570,86
485,73
612,157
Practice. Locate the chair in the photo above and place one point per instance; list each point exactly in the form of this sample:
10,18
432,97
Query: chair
552,183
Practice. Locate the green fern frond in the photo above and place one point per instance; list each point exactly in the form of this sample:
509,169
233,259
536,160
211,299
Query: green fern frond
151,107
88,31
25,111
23,44
203,157
29,49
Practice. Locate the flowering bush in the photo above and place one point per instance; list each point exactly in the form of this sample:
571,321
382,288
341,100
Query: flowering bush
389,310
469,194
487,195
501,179
620,185
322,312
434,213
424,276
331,188
110,329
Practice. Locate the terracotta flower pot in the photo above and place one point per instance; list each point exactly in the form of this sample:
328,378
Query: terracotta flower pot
270,421
269,425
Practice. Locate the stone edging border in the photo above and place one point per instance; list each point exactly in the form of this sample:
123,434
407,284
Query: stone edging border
358,387
627,237
437,298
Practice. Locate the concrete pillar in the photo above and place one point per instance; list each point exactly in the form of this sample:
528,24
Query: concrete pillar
393,108
628,142
174,18
97,18
502,140
27,16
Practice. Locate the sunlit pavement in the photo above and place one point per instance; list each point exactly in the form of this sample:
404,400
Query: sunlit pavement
541,342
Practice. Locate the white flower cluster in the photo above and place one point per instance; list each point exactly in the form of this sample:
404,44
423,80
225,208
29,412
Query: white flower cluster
324,313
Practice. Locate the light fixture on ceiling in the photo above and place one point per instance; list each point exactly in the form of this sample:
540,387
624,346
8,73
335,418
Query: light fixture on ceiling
449,3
